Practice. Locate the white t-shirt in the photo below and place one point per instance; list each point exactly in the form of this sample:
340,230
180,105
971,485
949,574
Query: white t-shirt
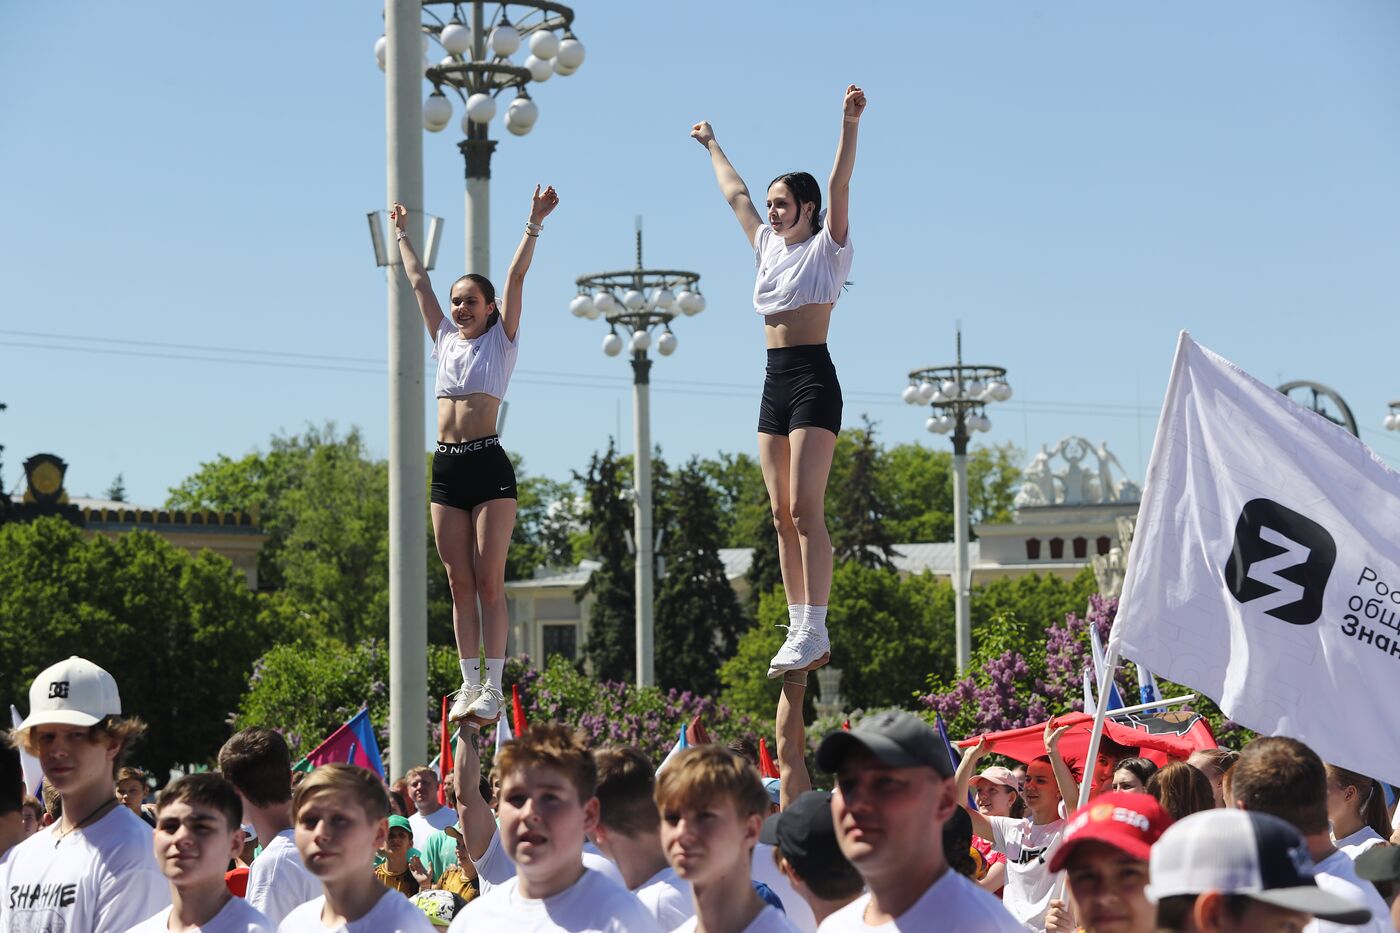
425,826
495,867
769,920
277,881
593,904
952,904
394,913
1359,841
765,869
1336,874
667,897
1029,881
235,917
99,878
481,364
812,272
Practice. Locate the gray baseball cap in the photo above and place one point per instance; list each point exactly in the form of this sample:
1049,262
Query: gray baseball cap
895,738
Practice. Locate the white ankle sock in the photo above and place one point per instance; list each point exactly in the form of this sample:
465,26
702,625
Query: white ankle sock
795,613
815,619
494,668
471,671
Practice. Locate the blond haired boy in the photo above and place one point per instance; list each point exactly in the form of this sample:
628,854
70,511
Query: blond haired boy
712,805
341,817
94,868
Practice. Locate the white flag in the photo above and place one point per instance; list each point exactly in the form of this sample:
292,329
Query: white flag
33,773
1265,567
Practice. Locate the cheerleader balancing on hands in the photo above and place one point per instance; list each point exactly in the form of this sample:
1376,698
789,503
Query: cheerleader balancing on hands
473,487
803,255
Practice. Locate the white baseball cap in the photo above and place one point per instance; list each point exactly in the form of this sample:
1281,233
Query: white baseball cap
1244,852
74,692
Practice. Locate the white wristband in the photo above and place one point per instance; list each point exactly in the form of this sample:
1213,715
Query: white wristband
533,229
401,234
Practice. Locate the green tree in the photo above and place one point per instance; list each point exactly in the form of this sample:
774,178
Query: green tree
117,491
916,485
858,529
342,679
611,646
178,632
323,502
698,617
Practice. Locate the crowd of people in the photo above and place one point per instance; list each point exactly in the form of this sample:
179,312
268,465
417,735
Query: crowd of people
561,836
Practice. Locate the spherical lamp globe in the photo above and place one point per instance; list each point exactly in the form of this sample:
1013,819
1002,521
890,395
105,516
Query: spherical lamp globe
456,38
544,44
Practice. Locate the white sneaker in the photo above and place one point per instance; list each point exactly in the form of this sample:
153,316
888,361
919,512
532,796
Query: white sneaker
461,706
802,650
486,708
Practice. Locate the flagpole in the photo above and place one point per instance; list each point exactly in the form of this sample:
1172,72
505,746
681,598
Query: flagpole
1101,711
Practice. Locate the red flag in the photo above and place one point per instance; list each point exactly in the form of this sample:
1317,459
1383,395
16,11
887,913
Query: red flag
1161,737
517,711
445,758
695,733
766,766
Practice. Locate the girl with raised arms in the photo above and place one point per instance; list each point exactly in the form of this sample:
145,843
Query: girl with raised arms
803,255
473,484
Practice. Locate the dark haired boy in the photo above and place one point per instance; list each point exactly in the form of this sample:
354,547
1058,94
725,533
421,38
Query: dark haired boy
629,833
1285,778
258,764
94,868
12,829
197,831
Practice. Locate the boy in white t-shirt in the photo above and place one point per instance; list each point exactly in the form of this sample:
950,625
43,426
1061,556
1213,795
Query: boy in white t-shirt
93,869
894,791
712,805
547,808
258,764
341,814
197,832
629,833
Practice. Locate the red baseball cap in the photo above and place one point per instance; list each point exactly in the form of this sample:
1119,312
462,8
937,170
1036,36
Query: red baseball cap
1130,822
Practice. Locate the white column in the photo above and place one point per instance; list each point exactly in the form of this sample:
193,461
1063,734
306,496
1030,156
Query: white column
962,594
642,530
479,225
408,597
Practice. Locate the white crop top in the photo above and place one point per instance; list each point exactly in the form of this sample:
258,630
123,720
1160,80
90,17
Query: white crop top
467,366
812,272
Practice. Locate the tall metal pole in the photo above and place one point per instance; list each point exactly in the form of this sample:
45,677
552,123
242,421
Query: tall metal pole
962,591
408,583
642,530
477,149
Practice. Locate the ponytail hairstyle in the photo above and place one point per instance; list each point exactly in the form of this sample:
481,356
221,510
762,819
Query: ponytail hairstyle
805,190
1371,804
488,292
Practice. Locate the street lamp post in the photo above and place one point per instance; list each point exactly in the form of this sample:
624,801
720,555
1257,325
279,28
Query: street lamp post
959,394
639,301
478,66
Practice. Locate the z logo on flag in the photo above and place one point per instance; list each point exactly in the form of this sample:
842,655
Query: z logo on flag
1283,558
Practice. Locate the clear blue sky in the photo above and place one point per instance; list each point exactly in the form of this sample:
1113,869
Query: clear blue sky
1074,181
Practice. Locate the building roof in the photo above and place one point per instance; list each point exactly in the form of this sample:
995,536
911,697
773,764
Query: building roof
909,558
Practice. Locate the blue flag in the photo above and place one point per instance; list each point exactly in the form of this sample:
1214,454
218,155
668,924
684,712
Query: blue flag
952,755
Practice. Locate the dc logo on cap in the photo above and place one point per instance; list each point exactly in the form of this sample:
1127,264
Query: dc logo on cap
1282,559
58,690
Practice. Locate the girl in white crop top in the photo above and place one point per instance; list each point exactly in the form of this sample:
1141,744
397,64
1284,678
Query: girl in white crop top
803,257
473,482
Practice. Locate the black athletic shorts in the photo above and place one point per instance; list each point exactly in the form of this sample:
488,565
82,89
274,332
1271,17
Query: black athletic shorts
800,391
472,472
